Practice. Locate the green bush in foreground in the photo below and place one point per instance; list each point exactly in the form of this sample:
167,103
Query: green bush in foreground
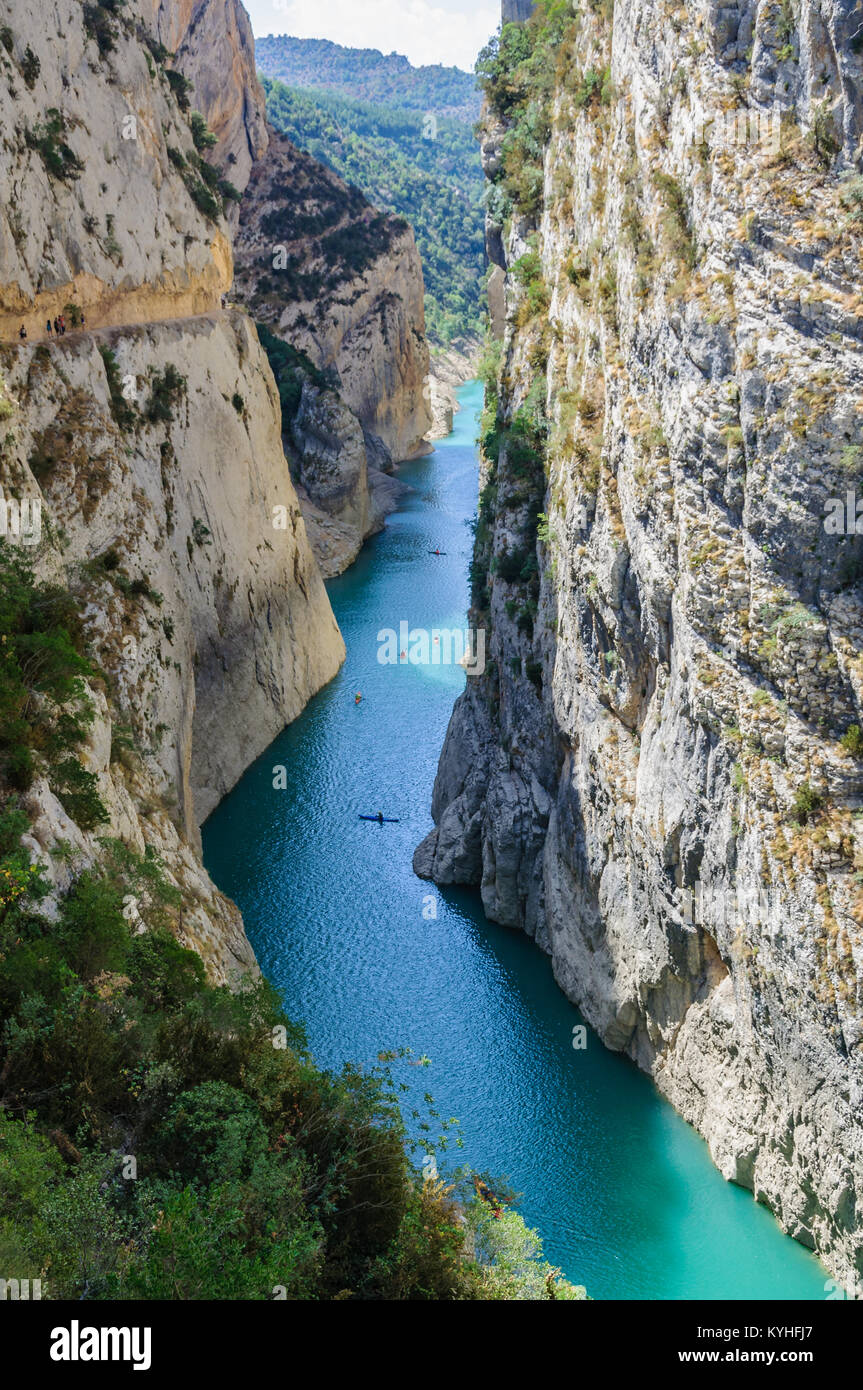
254,1171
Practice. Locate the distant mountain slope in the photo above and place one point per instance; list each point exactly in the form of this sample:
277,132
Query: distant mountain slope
368,75
429,174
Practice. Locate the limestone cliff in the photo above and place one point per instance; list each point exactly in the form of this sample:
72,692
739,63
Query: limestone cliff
213,47
82,128
152,439
344,497
659,776
343,283
450,368
377,359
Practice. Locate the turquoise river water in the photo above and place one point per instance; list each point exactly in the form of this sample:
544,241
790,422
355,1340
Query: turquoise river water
622,1191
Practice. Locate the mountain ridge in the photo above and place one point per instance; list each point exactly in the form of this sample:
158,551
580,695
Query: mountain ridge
369,75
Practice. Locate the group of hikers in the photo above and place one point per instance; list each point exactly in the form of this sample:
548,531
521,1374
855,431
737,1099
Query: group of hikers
54,326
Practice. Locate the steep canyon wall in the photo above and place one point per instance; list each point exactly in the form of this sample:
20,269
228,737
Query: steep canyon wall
658,777
152,438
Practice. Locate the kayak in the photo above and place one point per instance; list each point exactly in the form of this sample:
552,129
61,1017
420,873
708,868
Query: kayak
437,552
387,820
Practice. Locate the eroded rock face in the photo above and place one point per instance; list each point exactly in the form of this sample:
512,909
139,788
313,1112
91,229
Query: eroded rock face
663,713
90,132
342,282
332,457
344,496
450,368
214,48
153,440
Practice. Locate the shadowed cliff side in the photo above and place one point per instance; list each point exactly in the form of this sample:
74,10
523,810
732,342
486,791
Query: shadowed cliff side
342,282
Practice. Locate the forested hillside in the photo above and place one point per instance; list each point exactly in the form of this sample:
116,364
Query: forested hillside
369,75
414,162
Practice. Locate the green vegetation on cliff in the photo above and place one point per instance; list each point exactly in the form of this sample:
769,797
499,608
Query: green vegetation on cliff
424,167
291,368
519,71
329,235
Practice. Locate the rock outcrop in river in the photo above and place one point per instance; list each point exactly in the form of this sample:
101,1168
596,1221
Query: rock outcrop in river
152,440
660,774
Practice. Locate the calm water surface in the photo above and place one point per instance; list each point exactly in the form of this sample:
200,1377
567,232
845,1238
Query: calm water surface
621,1189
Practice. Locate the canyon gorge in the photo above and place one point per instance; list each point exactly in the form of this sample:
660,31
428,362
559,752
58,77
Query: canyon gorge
671,715
154,438
658,777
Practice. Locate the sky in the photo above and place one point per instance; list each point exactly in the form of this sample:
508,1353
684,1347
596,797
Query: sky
427,31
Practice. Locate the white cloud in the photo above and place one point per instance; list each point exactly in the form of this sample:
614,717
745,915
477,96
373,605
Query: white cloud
424,32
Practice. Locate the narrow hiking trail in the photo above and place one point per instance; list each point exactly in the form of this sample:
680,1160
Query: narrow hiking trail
105,332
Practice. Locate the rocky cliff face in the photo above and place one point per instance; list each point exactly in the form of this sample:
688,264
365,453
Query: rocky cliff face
344,497
374,408
340,284
659,776
213,47
153,441
343,283
82,128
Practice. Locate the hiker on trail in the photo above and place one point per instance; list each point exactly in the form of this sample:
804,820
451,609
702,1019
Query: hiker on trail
57,327
83,320
22,332
48,326
62,324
